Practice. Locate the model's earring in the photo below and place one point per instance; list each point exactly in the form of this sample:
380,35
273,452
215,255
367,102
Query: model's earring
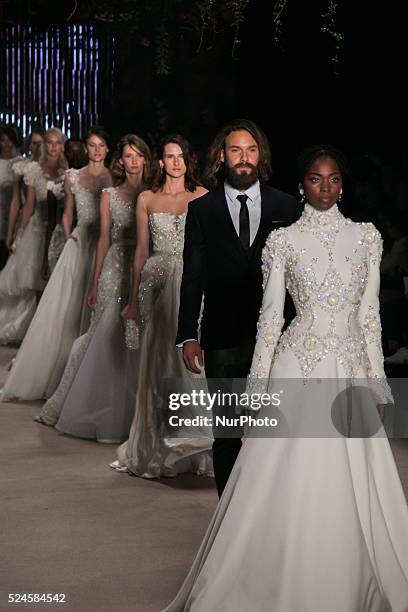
339,198
302,195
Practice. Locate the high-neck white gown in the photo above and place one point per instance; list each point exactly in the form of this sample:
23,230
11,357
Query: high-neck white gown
310,524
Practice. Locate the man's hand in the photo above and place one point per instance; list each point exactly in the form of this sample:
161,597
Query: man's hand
191,350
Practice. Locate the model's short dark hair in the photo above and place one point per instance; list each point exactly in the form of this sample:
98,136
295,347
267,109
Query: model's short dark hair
309,155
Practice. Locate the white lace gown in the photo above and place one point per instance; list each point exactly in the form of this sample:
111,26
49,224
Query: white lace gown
62,314
95,398
147,452
17,305
310,524
30,251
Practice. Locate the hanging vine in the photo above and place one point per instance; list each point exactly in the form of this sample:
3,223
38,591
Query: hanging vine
279,8
237,8
329,21
161,24
162,50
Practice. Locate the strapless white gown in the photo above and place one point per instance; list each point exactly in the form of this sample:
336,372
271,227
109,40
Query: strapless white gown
148,452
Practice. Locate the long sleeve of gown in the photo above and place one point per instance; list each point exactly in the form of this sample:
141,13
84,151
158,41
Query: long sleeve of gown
271,319
369,314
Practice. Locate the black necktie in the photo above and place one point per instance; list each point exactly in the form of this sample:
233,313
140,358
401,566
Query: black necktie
243,221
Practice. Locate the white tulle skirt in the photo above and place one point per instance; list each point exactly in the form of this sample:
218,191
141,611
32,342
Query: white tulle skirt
17,306
149,452
42,357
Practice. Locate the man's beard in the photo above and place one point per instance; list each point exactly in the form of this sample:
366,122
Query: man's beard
241,180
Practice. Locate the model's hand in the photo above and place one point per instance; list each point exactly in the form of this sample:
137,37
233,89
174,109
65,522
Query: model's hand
381,411
9,241
191,350
91,299
130,312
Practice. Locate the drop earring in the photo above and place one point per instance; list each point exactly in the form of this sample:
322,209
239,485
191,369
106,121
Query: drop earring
339,198
302,195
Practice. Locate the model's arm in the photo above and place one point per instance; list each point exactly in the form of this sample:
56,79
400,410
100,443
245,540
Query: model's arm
271,319
68,215
14,210
369,313
102,247
131,311
29,207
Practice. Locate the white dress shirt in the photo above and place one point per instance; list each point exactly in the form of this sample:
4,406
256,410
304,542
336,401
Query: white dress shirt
253,203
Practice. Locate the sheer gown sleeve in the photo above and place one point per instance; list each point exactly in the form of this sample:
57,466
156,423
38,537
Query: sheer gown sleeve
271,319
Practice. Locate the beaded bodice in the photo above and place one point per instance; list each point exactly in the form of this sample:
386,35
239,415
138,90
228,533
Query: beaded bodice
167,233
123,219
166,260
330,266
86,199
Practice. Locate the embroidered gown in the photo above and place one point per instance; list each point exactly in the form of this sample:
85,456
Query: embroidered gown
310,524
30,250
95,398
17,303
62,314
148,452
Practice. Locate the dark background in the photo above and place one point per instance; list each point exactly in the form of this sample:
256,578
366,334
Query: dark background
292,89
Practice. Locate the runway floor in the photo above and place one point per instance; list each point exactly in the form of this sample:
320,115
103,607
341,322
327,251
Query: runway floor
69,524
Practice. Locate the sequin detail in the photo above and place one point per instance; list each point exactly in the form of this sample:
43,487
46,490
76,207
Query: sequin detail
113,285
336,297
167,234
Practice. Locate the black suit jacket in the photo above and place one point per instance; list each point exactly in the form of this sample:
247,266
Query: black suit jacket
217,265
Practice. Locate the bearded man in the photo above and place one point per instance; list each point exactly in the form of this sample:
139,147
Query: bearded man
225,232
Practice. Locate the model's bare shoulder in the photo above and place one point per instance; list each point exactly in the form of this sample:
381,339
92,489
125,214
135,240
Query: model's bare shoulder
145,200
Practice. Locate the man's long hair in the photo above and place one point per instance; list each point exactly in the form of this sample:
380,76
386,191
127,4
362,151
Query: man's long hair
214,171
